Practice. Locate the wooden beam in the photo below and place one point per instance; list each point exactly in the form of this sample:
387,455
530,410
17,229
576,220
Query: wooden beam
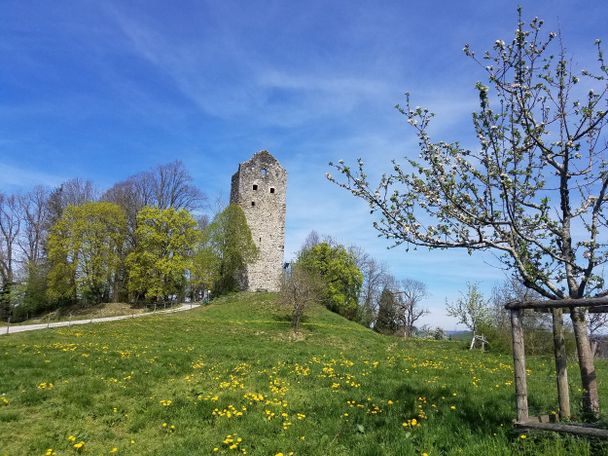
567,428
593,310
519,364
558,303
559,350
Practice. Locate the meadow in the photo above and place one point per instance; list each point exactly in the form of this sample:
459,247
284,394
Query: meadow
232,378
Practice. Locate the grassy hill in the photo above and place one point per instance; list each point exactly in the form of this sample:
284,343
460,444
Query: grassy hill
231,378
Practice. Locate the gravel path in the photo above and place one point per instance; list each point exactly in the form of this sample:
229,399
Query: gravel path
63,324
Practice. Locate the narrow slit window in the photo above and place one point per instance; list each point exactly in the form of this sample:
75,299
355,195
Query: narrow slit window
271,189
264,172
255,186
252,203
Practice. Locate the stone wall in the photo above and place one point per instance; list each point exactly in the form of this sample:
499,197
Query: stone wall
259,188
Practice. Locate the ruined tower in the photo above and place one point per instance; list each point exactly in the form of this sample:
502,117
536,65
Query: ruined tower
259,188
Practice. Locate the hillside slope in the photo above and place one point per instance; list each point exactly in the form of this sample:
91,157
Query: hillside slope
231,378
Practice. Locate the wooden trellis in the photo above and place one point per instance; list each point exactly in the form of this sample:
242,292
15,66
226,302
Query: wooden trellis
542,422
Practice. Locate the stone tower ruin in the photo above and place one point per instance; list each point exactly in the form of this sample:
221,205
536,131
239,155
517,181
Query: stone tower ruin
259,188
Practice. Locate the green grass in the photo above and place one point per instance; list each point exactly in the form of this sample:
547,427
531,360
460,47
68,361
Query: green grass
335,389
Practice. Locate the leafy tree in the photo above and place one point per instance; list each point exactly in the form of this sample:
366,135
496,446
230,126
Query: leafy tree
225,252
165,186
205,272
84,252
35,297
158,265
386,322
339,273
534,191
471,309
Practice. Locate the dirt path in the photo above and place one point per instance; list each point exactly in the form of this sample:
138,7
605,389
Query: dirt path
63,324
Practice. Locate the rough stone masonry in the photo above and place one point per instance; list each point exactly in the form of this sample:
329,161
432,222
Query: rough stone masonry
259,188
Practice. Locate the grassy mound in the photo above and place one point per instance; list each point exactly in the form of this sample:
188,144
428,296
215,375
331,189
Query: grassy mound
232,378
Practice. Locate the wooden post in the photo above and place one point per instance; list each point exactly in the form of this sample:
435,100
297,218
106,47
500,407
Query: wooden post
561,369
519,364
591,399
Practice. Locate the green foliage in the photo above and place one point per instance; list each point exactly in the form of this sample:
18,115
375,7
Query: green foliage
386,322
35,297
84,252
226,250
205,272
538,338
30,297
165,240
341,277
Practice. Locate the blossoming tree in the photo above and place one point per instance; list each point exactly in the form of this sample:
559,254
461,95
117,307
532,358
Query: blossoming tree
533,192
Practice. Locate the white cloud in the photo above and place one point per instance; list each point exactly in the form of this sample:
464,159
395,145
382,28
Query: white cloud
18,178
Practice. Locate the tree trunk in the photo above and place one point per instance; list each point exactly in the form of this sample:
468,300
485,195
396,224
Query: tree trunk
591,402
561,370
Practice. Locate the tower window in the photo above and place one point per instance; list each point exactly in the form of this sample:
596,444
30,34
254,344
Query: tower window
255,186
252,203
264,172
271,189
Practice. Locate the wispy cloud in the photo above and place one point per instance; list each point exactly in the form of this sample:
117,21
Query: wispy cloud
225,79
19,178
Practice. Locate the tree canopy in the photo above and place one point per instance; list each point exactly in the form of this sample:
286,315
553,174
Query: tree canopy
84,249
163,255
227,248
341,277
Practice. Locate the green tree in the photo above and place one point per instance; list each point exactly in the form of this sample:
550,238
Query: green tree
84,252
226,250
165,241
341,277
534,192
386,321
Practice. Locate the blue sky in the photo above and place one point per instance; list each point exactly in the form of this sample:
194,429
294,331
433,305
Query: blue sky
102,90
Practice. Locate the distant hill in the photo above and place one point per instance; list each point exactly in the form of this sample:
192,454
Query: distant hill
459,335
